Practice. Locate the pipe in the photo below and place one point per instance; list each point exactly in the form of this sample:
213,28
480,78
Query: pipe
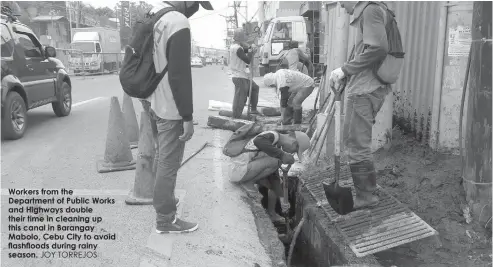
295,236
437,95
339,54
461,113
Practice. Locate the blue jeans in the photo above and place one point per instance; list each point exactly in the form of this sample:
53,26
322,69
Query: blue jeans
361,111
168,157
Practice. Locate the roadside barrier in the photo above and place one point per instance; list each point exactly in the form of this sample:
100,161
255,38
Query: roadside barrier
145,175
131,124
83,63
117,155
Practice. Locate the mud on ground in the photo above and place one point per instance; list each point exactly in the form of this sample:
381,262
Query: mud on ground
429,184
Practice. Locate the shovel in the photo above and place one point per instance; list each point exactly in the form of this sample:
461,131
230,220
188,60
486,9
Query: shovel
340,198
285,201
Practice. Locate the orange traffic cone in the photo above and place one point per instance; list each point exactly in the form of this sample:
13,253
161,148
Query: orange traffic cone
131,126
117,155
142,193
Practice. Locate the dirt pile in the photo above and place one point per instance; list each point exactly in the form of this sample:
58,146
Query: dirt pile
429,184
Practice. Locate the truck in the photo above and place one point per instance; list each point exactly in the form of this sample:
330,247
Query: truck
279,33
101,49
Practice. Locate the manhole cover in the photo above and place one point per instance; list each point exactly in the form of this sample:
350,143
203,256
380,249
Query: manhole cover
388,225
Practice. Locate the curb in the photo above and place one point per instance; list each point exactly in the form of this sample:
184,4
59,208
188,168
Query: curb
325,244
266,231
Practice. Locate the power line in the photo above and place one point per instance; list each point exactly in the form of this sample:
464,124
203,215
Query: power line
206,15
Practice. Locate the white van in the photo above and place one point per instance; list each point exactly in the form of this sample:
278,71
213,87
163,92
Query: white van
279,33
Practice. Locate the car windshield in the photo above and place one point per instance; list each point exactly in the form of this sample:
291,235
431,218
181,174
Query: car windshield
85,47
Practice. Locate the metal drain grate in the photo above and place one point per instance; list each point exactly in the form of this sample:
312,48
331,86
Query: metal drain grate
388,225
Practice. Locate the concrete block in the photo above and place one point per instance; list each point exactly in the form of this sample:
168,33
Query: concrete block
244,116
271,112
226,123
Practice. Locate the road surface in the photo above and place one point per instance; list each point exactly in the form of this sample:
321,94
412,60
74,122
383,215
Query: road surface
62,153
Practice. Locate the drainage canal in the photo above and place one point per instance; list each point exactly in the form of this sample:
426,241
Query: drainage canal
297,259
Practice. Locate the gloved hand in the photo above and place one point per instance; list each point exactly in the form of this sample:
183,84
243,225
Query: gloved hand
287,158
335,79
336,75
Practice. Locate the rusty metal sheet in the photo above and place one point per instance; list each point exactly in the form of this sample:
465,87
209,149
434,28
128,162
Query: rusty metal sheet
387,225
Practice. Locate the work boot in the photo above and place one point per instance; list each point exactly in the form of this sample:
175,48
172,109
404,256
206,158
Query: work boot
254,111
365,184
287,115
298,116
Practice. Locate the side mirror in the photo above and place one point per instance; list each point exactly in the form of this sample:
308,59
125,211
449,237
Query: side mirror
50,51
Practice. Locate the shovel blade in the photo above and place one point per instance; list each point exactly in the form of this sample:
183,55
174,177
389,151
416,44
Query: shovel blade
339,198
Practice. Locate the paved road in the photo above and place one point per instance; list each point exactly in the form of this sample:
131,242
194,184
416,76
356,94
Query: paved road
62,153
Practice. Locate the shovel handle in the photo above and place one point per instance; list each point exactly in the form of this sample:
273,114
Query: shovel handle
337,132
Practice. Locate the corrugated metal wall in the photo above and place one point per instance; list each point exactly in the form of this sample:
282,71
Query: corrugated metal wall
413,94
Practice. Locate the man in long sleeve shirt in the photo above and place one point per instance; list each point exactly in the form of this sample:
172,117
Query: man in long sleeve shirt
260,165
239,59
365,93
171,108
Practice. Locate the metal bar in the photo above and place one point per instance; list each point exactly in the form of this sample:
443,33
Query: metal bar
193,155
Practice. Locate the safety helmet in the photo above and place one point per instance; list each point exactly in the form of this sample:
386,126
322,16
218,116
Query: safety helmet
269,79
303,143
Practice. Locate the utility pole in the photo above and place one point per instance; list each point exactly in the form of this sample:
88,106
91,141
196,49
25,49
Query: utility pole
69,11
235,7
476,169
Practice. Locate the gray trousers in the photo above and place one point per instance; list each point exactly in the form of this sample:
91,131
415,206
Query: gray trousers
169,157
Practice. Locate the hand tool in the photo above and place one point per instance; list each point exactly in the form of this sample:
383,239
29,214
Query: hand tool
340,198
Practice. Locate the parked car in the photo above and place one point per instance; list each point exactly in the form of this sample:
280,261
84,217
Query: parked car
31,77
197,62
208,61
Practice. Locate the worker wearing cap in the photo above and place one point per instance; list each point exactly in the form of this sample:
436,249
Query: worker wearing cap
260,164
294,88
171,108
239,58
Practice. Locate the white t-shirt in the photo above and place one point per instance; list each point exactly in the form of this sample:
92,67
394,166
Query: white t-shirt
295,80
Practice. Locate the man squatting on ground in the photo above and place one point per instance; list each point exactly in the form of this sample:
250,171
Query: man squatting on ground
294,87
365,96
260,164
239,57
171,108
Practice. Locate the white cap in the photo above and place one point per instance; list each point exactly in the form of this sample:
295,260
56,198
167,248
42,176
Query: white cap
269,79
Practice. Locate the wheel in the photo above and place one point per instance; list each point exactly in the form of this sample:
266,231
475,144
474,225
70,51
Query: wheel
63,105
14,121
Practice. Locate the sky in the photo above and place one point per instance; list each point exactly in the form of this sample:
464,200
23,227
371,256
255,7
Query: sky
208,27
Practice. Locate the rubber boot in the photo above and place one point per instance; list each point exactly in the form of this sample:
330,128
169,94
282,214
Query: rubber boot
298,116
287,115
365,184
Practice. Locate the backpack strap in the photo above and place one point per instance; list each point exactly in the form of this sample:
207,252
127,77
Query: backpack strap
158,15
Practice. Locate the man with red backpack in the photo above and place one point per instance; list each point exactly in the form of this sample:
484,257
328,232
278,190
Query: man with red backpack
157,70
374,65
